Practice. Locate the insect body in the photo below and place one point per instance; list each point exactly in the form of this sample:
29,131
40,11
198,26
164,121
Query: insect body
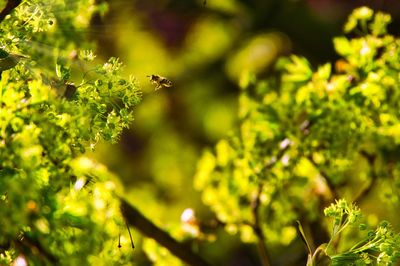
160,81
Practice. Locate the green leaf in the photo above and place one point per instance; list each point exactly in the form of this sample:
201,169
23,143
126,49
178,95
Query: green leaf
379,25
342,46
297,70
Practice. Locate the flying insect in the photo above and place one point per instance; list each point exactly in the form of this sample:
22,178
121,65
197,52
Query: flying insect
160,81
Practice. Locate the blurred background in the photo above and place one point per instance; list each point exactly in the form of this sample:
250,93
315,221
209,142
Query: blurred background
204,47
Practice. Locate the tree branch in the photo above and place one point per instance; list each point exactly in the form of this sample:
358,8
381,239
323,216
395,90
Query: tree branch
135,218
11,4
256,203
258,229
36,246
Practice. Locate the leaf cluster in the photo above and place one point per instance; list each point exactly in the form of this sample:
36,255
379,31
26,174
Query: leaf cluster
308,136
57,206
379,247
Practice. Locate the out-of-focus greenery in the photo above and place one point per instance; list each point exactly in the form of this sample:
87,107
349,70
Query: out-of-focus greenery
309,136
319,132
209,50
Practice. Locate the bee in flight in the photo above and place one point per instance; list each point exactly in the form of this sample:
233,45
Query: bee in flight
160,81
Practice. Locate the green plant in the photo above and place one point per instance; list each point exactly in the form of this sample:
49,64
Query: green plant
310,136
57,206
380,246
306,137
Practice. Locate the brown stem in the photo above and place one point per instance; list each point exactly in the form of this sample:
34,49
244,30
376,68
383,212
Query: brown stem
33,244
262,248
255,206
11,4
135,218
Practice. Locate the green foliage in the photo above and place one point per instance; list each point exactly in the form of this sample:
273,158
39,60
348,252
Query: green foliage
343,215
309,136
379,247
306,137
57,206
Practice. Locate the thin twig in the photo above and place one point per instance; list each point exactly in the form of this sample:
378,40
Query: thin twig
130,236
265,259
119,239
135,218
256,204
33,244
11,4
